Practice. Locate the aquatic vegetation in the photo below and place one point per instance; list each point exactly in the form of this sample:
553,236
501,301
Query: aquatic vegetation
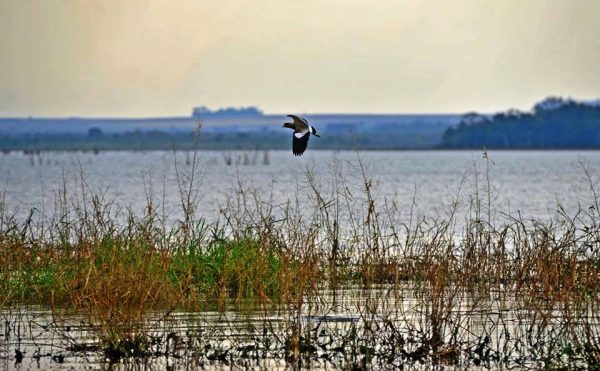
336,278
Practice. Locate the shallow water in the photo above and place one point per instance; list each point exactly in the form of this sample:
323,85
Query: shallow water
532,183
389,326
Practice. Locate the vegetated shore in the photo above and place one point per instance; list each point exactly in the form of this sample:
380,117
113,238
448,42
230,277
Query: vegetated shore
348,284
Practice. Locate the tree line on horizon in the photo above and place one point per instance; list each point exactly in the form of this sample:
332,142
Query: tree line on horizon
554,123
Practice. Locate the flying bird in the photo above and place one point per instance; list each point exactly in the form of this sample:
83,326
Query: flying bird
302,131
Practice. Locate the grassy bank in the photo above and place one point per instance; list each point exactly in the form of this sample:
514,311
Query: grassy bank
460,289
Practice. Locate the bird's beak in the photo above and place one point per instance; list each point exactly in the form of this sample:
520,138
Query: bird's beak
317,135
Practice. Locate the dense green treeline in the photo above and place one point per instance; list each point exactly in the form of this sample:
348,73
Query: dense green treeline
553,123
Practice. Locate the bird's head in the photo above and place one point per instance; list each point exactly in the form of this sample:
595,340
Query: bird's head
313,131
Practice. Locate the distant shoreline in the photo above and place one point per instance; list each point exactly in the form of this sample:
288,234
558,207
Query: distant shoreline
553,124
39,152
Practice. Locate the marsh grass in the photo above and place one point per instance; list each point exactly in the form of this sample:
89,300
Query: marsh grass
460,289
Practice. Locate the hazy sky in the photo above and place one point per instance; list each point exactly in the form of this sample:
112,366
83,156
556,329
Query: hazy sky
162,57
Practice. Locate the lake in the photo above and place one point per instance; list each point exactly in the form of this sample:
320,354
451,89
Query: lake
532,183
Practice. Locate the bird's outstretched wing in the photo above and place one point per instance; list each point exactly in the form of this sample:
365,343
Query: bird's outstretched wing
299,122
300,142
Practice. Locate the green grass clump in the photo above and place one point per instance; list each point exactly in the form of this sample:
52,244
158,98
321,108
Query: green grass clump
117,272
240,270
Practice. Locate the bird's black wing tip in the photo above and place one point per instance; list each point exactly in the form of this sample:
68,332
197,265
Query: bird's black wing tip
299,144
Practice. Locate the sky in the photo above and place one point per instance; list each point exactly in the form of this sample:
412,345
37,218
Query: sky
163,57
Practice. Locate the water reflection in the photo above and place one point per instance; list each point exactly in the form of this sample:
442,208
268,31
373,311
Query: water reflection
349,327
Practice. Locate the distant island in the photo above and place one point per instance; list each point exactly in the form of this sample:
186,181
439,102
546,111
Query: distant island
554,123
202,112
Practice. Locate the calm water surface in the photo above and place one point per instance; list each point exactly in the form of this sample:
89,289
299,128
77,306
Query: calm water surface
533,183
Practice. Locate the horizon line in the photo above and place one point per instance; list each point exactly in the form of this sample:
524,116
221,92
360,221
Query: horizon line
209,116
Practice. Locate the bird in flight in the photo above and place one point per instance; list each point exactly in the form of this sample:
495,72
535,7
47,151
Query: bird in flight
302,131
